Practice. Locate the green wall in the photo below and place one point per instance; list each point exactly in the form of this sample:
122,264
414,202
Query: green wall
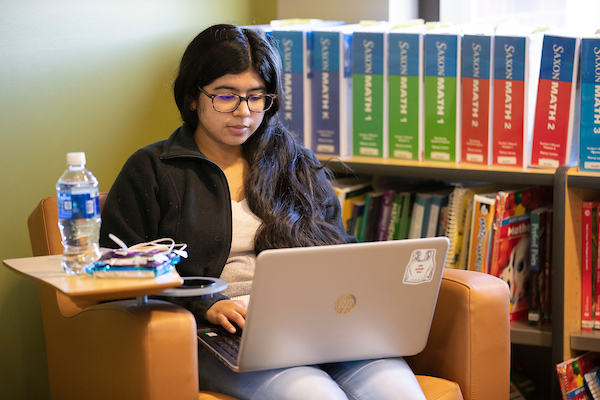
91,76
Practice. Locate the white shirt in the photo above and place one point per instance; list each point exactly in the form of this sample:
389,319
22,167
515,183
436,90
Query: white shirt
239,269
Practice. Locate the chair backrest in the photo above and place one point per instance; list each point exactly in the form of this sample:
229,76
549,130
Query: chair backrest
43,227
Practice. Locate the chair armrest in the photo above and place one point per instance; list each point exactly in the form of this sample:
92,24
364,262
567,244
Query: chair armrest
45,236
469,342
120,350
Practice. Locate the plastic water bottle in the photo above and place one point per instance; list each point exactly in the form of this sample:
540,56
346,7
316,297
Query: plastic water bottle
78,215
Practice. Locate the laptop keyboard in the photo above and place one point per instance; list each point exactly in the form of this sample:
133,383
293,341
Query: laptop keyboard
229,344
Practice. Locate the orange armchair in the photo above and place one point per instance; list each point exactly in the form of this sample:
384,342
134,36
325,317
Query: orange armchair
124,350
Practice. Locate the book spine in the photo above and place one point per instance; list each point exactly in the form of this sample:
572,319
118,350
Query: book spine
536,229
293,52
454,225
405,111
596,265
426,215
465,242
442,74
509,101
481,224
586,267
434,216
345,95
406,215
546,304
394,224
553,126
357,216
589,126
384,219
325,66
362,227
368,94
535,266
373,218
443,222
416,221
498,257
348,206
476,81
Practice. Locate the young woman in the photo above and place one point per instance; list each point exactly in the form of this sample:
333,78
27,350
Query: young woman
231,182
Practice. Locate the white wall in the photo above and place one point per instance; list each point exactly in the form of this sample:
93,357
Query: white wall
351,11
552,13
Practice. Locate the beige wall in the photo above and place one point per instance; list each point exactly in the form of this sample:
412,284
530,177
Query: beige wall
89,76
350,11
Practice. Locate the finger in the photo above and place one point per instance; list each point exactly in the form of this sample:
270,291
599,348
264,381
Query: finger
224,322
238,319
242,307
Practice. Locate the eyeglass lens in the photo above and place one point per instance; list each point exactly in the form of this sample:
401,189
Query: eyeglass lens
230,102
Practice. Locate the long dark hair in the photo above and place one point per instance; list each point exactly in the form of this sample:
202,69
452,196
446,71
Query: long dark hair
288,188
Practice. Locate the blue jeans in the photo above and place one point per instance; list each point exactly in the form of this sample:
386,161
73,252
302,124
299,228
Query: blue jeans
382,379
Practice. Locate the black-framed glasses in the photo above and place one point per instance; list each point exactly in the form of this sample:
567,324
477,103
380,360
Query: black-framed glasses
225,103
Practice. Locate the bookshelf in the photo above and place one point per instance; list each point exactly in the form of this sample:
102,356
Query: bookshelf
576,187
564,338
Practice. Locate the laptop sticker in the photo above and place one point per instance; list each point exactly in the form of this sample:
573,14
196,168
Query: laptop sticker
421,267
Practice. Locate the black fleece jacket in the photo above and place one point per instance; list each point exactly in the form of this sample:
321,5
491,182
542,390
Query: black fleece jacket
169,189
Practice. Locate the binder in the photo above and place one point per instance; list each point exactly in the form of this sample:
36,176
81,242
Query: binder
589,125
517,52
331,90
369,91
292,40
442,94
406,118
476,79
555,133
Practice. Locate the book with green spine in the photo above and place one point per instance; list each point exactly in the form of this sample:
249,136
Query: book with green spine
405,93
442,105
369,71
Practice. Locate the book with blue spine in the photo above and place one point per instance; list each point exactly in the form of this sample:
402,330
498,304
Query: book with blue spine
555,132
589,126
420,215
476,90
442,94
405,93
369,91
592,381
537,262
292,46
517,53
293,40
331,84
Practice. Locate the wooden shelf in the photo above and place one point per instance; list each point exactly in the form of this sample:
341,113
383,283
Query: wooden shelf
523,333
581,179
440,170
585,341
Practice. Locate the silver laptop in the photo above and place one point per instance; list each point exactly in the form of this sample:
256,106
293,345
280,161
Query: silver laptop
314,305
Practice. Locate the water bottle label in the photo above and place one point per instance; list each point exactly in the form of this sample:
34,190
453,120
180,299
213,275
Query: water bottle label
78,205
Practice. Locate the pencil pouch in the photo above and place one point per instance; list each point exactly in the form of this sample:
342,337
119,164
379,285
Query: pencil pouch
144,260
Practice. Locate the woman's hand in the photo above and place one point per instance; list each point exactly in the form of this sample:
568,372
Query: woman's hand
225,312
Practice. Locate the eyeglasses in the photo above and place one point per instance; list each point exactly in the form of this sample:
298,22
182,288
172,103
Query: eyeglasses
225,103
